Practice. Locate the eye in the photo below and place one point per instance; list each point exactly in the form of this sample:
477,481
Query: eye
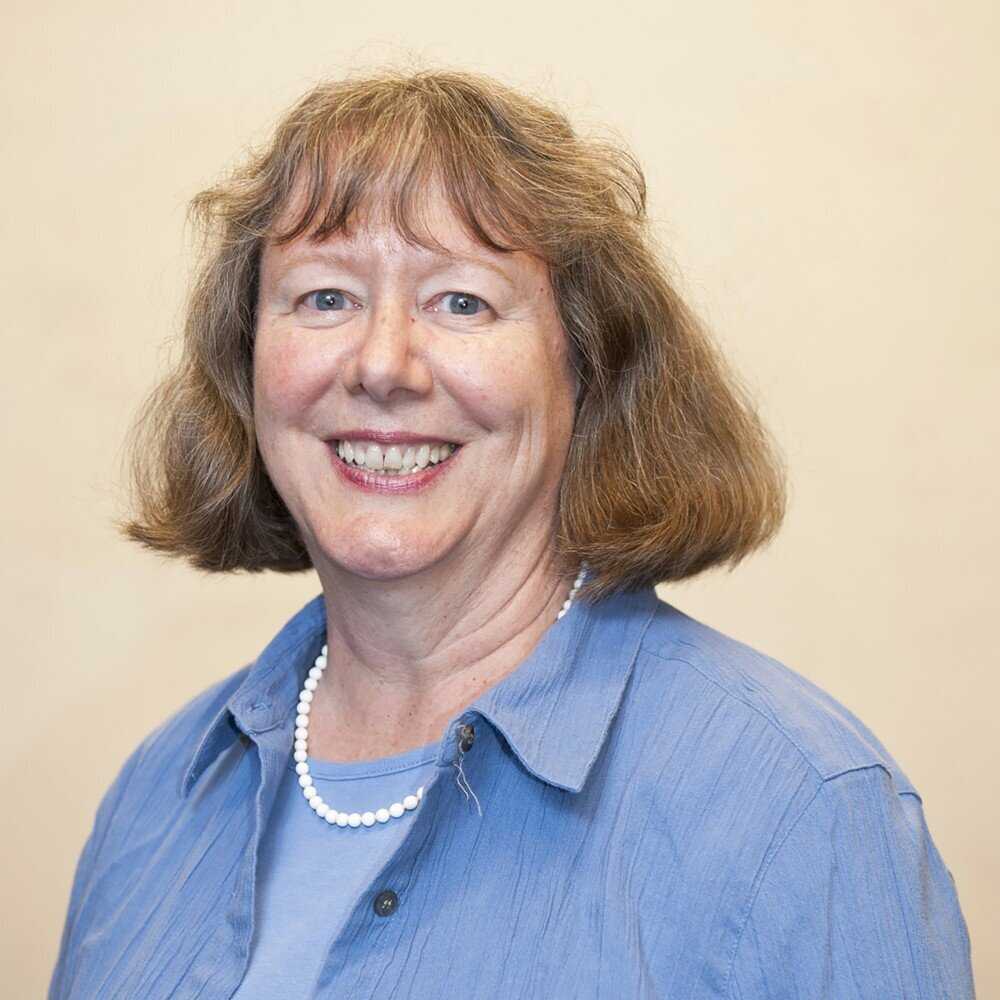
327,300
464,304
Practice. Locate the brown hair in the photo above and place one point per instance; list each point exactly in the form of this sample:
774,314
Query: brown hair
669,472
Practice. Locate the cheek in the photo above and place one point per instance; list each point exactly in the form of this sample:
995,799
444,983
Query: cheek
522,382
286,380
494,386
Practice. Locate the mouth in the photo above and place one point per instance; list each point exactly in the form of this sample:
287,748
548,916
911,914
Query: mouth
393,461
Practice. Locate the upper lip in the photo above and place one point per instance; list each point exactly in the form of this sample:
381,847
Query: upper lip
388,437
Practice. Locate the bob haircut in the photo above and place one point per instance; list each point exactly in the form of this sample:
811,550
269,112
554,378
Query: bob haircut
669,471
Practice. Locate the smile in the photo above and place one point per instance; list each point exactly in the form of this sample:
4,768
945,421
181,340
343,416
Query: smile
410,478
394,460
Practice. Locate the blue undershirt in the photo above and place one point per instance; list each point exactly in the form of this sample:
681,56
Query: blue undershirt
311,873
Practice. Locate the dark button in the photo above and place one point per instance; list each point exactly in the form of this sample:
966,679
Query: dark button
244,739
466,737
386,902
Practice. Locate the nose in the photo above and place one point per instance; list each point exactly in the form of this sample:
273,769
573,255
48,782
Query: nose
390,355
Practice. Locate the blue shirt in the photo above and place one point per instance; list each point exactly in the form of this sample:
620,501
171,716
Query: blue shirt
657,810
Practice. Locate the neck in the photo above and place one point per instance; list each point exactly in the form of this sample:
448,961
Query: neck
402,663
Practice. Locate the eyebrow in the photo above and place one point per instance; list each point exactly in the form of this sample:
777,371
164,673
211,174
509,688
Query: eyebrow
300,257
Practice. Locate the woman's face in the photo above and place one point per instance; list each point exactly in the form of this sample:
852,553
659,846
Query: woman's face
370,333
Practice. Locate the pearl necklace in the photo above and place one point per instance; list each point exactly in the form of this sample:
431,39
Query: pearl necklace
315,800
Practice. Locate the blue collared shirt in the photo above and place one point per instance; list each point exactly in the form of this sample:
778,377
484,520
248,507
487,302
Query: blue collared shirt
659,811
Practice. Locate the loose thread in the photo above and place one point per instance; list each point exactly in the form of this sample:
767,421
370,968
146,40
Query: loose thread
460,778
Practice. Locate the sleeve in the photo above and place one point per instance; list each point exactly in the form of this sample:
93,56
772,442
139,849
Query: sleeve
73,926
855,903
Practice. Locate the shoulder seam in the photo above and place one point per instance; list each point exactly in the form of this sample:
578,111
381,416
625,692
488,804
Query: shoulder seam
888,770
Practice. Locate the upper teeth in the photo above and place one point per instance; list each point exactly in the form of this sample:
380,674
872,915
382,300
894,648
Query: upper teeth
395,458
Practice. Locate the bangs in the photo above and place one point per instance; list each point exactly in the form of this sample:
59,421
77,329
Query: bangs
513,172
384,169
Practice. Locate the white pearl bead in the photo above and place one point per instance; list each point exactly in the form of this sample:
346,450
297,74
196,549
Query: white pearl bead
322,810
300,755
321,661
300,745
302,720
315,673
396,809
302,733
310,792
322,652
304,708
311,684
302,768
305,781
331,816
306,695
354,819
341,819
382,815
368,818
410,802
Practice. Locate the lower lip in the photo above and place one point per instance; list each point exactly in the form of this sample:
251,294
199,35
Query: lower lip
372,482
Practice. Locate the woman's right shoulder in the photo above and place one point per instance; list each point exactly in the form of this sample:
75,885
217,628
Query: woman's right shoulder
184,726
147,776
166,749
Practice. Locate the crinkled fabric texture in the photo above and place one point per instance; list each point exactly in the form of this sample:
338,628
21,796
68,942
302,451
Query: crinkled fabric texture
658,811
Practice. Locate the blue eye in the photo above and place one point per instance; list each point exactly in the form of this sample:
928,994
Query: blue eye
465,304
327,299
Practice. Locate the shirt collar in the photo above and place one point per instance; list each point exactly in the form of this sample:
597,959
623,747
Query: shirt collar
554,709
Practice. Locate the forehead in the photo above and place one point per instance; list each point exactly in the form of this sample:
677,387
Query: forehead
429,214
439,235
381,240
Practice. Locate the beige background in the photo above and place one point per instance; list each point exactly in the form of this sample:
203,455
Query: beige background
824,178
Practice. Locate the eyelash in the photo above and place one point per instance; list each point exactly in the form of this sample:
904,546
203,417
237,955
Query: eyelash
468,295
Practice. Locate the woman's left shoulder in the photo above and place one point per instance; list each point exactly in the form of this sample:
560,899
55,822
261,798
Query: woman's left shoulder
700,663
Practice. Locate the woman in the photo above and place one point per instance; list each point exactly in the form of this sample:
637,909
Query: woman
432,355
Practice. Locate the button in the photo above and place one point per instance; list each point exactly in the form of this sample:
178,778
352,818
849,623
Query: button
466,737
244,739
386,902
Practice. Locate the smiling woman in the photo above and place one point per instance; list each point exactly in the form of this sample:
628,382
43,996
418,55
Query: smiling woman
432,355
